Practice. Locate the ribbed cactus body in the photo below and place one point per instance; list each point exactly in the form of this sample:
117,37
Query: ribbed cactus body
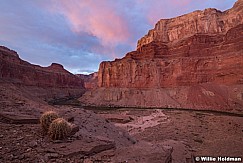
59,129
46,119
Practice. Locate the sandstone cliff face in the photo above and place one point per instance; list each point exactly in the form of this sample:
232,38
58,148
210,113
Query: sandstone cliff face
197,59
53,80
192,61
210,22
207,96
90,81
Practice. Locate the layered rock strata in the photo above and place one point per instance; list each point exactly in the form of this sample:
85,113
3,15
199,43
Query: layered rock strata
196,59
199,66
52,82
209,21
90,81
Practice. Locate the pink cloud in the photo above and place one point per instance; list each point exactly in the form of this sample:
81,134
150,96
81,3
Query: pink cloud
98,18
164,9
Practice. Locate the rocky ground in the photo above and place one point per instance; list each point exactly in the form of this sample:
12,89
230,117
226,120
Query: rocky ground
114,135
188,132
124,135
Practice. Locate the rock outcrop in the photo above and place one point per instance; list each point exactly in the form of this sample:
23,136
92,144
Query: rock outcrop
209,21
197,59
192,61
48,82
90,81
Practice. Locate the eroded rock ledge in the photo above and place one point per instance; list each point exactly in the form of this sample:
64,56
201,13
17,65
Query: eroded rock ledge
209,21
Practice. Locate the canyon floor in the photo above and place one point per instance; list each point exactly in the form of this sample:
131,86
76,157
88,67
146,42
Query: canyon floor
150,135
204,133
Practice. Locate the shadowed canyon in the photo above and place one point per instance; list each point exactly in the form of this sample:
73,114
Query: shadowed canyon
177,97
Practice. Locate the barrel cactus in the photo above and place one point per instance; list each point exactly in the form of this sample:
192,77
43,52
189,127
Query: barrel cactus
59,129
46,119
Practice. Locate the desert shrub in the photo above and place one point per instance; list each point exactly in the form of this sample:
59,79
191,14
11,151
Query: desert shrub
59,129
46,119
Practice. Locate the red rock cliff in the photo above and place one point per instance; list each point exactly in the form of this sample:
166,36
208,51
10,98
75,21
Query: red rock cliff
192,61
209,21
213,53
19,72
90,81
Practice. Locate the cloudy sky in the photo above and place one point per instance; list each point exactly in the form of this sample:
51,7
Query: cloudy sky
80,34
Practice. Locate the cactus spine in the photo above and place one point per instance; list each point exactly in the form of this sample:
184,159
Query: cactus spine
46,119
59,129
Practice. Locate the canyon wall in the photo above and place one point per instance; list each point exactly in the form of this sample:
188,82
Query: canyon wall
197,59
90,81
209,21
199,66
47,82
